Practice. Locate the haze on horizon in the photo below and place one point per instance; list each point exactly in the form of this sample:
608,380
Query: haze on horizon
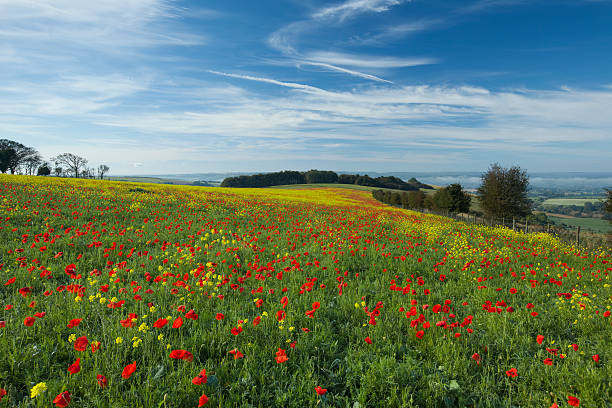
163,86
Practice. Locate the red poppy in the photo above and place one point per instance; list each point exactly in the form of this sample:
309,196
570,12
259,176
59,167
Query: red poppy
256,320
548,361
2,393
102,381
280,315
81,343
420,334
62,400
320,391
74,323
25,291
476,358
127,322
201,378
10,281
178,322
129,370
540,339
203,400
2,324
281,357
75,367
596,358
512,373
191,315
573,401
29,321
368,340
575,347
236,331
220,316
159,323
95,346
237,354
316,305
181,355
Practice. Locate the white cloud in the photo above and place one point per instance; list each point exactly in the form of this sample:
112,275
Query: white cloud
345,71
353,7
366,61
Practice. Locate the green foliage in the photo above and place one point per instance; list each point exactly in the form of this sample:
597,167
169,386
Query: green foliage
321,176
503,192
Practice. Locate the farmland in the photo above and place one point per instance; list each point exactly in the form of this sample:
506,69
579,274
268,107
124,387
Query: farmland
123,294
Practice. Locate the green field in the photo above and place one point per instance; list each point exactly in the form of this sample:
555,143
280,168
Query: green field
347,186
154,180
571,201
591,224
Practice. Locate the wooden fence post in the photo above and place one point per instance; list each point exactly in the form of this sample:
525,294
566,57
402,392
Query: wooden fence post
526,226
513,224
578,236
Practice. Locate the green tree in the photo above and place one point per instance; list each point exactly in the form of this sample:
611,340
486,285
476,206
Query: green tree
503,192
15,156
460,200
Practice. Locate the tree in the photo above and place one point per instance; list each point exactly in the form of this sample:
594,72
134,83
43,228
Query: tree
72,161
503,192
44,170
460,200
103,169
14,155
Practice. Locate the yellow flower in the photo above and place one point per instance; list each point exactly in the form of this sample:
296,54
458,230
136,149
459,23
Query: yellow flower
160,337
119,340
143,328
72,338
38,389
77,299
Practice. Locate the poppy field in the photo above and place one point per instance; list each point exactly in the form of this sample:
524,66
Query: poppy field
138,295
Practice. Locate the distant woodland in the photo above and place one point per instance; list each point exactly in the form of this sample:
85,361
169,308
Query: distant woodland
322,176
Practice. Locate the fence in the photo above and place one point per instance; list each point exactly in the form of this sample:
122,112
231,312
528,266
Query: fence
570,235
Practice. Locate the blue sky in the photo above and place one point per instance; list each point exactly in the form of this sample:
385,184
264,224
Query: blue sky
161,86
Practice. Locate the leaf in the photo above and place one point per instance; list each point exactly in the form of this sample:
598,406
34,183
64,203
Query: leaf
454,385
356,404
160,372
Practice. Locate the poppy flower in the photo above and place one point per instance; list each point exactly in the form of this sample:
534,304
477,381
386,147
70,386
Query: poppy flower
25,291
573,401
237,354
178,322
95,346
476,358
62,400
75,367
220,316
320,391
256,320
201,378
575,347
29,321
512,373
368,340
181,355
281,357
420,334
203,400
128,370
596,358
159,323
2,393
280,315
81,343
102,381
191,315
548,361
10,281
2,324
540,339
74,323
236,331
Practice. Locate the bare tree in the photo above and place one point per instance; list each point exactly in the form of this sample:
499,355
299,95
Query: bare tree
58,171
72,161
31,161
102,170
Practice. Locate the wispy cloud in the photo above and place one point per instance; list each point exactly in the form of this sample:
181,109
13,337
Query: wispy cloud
354,7
302,87
345,71
367,61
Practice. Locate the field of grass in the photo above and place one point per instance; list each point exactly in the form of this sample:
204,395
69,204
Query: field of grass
571,201
591,224
149,295
346,186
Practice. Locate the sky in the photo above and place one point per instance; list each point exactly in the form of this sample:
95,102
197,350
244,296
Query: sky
163,86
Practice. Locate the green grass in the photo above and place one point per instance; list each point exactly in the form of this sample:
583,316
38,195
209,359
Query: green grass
571,201
335,185
153,180
592,224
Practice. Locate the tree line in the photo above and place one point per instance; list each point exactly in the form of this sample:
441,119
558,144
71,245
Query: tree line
448,199
17,158
321,176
